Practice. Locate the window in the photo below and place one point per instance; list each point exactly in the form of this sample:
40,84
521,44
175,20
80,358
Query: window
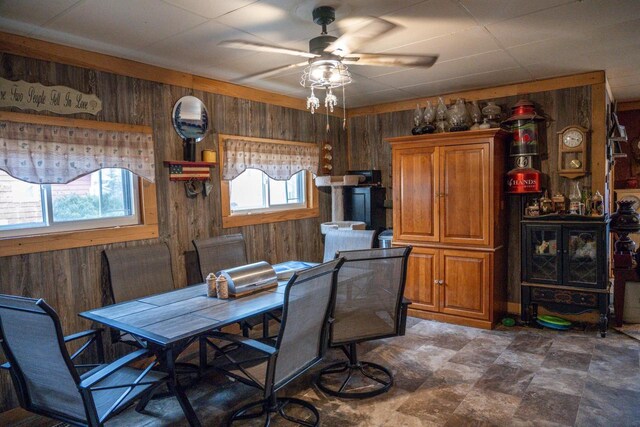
250,196
254,191
105,198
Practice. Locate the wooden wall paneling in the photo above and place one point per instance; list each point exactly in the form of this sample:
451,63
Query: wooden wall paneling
72,280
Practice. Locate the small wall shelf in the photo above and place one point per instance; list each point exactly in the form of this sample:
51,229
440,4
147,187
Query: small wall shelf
180,170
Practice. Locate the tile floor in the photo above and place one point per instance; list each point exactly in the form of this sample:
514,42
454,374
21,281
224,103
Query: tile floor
448,375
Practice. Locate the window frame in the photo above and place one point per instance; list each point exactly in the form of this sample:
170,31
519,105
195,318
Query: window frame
50,225
147,204
239,219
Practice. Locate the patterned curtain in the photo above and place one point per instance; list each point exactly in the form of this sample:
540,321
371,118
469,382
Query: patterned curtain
279,161
45,154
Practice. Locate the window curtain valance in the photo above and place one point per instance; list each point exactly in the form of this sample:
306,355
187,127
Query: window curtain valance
45,153
279,160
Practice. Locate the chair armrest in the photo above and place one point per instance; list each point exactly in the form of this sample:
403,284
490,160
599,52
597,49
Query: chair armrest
82,334
6,366
238,339
111,368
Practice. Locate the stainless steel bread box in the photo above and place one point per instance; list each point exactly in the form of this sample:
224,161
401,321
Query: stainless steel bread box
249,278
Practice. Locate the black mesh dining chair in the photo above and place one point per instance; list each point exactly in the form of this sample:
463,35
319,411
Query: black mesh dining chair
300,345
44,375
140,271
228,251
368,306
346,240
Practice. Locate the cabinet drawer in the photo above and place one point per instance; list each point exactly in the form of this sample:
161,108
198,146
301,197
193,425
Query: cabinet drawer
561,296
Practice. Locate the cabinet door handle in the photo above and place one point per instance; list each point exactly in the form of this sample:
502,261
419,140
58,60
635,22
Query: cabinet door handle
440,282
435,282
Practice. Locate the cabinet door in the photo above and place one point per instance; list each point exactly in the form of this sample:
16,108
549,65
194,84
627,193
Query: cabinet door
583,256
465,287
541,253
415,206
465,191
421,274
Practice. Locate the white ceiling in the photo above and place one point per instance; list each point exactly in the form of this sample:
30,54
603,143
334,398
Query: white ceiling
481,43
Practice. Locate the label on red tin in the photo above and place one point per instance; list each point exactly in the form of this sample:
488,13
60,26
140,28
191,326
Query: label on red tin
521,181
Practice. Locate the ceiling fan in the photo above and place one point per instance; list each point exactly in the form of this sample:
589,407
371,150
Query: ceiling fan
328,56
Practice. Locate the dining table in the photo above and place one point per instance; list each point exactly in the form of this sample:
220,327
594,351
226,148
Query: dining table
168,323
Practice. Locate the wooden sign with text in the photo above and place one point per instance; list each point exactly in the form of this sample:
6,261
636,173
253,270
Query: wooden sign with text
57,99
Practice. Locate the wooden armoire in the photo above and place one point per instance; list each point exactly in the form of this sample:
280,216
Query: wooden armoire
449,204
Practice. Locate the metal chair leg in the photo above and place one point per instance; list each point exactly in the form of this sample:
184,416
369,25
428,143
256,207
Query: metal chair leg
276,406
377,378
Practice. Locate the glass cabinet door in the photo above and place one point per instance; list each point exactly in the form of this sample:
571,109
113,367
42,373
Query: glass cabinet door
581,264
542,262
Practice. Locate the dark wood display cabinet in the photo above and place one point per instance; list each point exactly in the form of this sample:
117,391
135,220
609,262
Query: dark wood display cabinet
565,266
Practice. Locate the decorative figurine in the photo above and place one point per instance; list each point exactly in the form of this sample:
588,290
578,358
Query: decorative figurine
597,205
546,204
559,203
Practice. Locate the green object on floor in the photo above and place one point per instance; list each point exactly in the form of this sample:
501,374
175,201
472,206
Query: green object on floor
554,320
508,321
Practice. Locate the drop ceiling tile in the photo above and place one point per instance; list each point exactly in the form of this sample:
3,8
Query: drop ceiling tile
138,24
570,20
272,20
472,41
604,59
35,12
630,80
420,22
481,80
618,39
447,70
238,68
210,9
198,47
626,93
490,11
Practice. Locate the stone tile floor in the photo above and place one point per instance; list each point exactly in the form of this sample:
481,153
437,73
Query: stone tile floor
448,375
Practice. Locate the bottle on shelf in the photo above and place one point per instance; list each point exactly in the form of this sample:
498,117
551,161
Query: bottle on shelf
575,199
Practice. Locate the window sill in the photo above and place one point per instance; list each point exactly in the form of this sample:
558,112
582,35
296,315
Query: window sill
76,239
241,220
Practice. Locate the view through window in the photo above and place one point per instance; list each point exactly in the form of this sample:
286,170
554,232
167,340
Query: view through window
253,190
104,198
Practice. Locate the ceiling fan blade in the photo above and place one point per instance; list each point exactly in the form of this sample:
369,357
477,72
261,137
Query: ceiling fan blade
272,71
260,47
391,60
352,40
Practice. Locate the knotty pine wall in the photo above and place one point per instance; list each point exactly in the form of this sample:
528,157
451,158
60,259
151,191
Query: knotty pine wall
71,280
367,150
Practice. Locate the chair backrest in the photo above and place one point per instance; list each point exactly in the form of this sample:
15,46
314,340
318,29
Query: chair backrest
42,372
139,271
302,337
369,295
219,253
346,240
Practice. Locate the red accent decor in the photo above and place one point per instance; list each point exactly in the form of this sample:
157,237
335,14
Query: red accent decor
522,181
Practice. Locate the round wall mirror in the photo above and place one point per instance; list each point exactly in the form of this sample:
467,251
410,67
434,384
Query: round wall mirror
191,121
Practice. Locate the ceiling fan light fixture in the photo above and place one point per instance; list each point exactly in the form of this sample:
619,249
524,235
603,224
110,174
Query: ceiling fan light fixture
313,103
325,74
